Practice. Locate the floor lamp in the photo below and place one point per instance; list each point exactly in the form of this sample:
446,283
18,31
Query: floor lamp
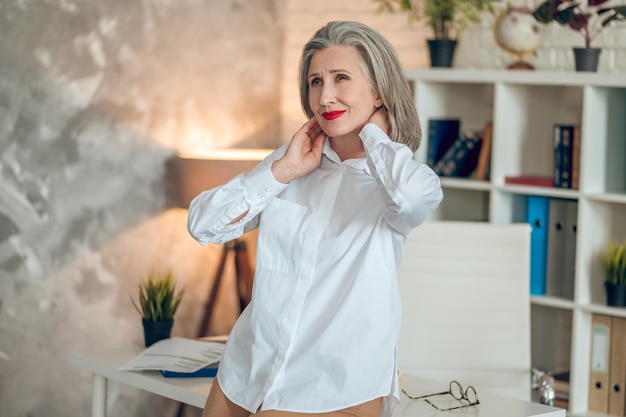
199,172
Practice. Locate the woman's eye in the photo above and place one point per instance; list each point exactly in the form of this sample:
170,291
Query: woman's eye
316,81
341,77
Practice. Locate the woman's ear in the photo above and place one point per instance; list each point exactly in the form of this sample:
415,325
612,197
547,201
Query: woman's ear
378,102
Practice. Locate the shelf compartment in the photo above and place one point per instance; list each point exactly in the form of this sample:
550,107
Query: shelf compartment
603,221
605,111
471,103
551,338
524,118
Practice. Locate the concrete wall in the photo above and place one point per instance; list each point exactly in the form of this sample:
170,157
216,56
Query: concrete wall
96,98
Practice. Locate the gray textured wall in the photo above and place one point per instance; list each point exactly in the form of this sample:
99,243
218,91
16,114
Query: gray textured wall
96,97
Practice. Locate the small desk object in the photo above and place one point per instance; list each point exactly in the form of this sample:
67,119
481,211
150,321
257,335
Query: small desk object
104,364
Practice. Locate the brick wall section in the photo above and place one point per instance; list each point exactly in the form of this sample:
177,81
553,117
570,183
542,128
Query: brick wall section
476,49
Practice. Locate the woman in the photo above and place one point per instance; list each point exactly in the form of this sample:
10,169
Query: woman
333,208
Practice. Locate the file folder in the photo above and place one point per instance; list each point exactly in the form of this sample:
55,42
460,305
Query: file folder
555,263
537,215
599,370
617,368
569,251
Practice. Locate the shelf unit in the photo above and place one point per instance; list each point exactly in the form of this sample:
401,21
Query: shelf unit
524,105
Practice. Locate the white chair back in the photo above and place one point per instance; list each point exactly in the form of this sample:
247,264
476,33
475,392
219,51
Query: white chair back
466,306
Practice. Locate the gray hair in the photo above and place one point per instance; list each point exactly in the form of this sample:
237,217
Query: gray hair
382,69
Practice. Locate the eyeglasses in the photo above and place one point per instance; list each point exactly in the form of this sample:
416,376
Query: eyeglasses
467,397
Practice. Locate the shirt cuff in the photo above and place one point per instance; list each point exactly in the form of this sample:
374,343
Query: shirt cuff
371,134
261,184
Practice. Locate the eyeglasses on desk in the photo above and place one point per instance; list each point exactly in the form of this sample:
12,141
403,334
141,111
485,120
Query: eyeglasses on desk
467,397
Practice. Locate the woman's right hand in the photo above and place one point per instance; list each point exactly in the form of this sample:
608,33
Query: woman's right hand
303,155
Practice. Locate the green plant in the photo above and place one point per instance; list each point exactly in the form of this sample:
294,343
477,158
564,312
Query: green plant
614,261
158,299
446,18
589,21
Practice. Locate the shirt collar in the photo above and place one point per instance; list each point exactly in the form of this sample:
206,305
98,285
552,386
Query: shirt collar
356,163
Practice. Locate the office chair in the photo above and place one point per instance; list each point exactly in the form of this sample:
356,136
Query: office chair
465,297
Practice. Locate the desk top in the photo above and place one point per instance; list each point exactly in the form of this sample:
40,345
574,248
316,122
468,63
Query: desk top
194,391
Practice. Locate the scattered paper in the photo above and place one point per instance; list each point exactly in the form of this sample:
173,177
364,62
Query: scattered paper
176,354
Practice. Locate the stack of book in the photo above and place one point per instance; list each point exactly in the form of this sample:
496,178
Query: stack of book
455,154
561,389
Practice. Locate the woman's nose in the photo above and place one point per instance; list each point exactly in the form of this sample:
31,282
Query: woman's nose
328,95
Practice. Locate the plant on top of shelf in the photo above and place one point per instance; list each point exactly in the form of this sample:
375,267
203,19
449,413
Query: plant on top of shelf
614,262
588,21
157,304
446,19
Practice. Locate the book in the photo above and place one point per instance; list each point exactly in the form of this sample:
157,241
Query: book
537,214
441,135
576,157
561,382
562,141
461,158
484,157
529,180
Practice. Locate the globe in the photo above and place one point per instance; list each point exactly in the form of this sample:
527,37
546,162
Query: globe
518,34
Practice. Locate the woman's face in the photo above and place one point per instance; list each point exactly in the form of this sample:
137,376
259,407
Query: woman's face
339,93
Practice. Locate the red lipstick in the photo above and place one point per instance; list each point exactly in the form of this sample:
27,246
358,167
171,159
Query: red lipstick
332,115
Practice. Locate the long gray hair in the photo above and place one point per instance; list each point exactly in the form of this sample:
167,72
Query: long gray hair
382,69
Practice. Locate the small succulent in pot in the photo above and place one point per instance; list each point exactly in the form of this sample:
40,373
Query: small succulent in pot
614,262
157,303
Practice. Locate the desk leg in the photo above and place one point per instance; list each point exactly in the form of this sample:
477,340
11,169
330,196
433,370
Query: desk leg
99,396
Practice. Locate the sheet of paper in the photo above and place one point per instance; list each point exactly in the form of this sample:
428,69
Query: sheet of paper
176,354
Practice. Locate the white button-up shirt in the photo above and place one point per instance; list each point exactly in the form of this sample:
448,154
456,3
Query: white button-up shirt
321,331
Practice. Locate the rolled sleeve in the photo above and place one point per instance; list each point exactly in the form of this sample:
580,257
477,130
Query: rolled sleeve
413,189
212,212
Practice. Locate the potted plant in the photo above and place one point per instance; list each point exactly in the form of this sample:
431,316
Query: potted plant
614,261
446,18
588,20
157,304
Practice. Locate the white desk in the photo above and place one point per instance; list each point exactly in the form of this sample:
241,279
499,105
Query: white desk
104,364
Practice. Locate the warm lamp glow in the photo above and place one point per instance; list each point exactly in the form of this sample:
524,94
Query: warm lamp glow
199,171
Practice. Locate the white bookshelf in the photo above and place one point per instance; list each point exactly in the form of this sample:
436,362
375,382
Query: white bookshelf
524,105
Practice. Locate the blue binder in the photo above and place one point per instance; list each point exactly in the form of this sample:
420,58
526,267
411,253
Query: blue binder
537,215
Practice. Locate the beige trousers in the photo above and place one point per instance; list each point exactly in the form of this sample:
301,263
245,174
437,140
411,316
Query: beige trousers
218,405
